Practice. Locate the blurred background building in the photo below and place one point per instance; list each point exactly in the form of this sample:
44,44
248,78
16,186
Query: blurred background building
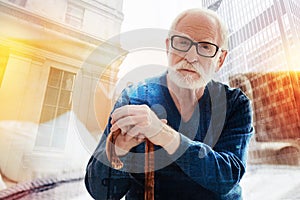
263,61
45,49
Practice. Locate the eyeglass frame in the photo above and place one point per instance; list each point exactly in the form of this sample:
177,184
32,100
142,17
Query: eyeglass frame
196,45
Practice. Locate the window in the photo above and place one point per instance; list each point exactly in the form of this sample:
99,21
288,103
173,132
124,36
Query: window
258,21
19,2
55,117
74,15
4,53
282,6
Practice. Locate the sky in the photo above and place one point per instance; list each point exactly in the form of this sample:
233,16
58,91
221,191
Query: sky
153,13
142,14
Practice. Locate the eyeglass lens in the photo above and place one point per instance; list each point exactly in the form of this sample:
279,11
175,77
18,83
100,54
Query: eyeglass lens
184,44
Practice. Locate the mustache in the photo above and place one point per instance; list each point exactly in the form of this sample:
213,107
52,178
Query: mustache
188,66
196,67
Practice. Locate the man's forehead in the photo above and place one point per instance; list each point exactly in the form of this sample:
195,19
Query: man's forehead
198,27
203,39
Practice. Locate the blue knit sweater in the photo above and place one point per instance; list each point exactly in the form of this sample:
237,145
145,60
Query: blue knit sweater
209,162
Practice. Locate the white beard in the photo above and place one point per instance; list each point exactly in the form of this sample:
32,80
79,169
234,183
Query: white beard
187,81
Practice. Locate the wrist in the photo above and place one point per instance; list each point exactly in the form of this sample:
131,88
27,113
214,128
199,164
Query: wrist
168,138
173,143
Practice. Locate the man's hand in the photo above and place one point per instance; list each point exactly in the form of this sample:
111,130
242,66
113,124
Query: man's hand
138,122
125,142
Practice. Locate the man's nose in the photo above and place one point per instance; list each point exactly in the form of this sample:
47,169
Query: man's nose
192,55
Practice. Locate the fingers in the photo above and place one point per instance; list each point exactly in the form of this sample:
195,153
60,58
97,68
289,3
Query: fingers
127,122
139,131
127,141
136,122
124,143
129,110
165,121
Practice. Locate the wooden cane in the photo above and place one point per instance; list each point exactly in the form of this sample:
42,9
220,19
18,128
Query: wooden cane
149,171
116,163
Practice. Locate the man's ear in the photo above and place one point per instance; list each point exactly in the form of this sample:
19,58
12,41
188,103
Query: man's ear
167,45
221,60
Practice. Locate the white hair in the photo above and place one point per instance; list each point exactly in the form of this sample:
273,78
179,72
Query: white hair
223,30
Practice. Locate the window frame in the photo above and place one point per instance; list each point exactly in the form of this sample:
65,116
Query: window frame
57,121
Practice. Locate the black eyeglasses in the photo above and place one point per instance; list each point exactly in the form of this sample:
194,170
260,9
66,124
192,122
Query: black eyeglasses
184,44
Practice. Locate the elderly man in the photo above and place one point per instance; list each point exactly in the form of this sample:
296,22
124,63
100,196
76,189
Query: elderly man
200,128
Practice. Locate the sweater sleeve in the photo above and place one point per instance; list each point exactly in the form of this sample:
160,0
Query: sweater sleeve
221,167
102,181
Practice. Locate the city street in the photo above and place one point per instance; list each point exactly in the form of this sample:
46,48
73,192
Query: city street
271,182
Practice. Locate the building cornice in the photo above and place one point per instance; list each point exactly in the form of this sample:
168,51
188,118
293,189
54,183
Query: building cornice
46,23
100,8
33,35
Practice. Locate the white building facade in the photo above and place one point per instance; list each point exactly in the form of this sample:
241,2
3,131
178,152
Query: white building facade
45,47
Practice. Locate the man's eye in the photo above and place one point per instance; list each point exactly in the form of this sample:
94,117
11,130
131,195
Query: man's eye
184,43
205,47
